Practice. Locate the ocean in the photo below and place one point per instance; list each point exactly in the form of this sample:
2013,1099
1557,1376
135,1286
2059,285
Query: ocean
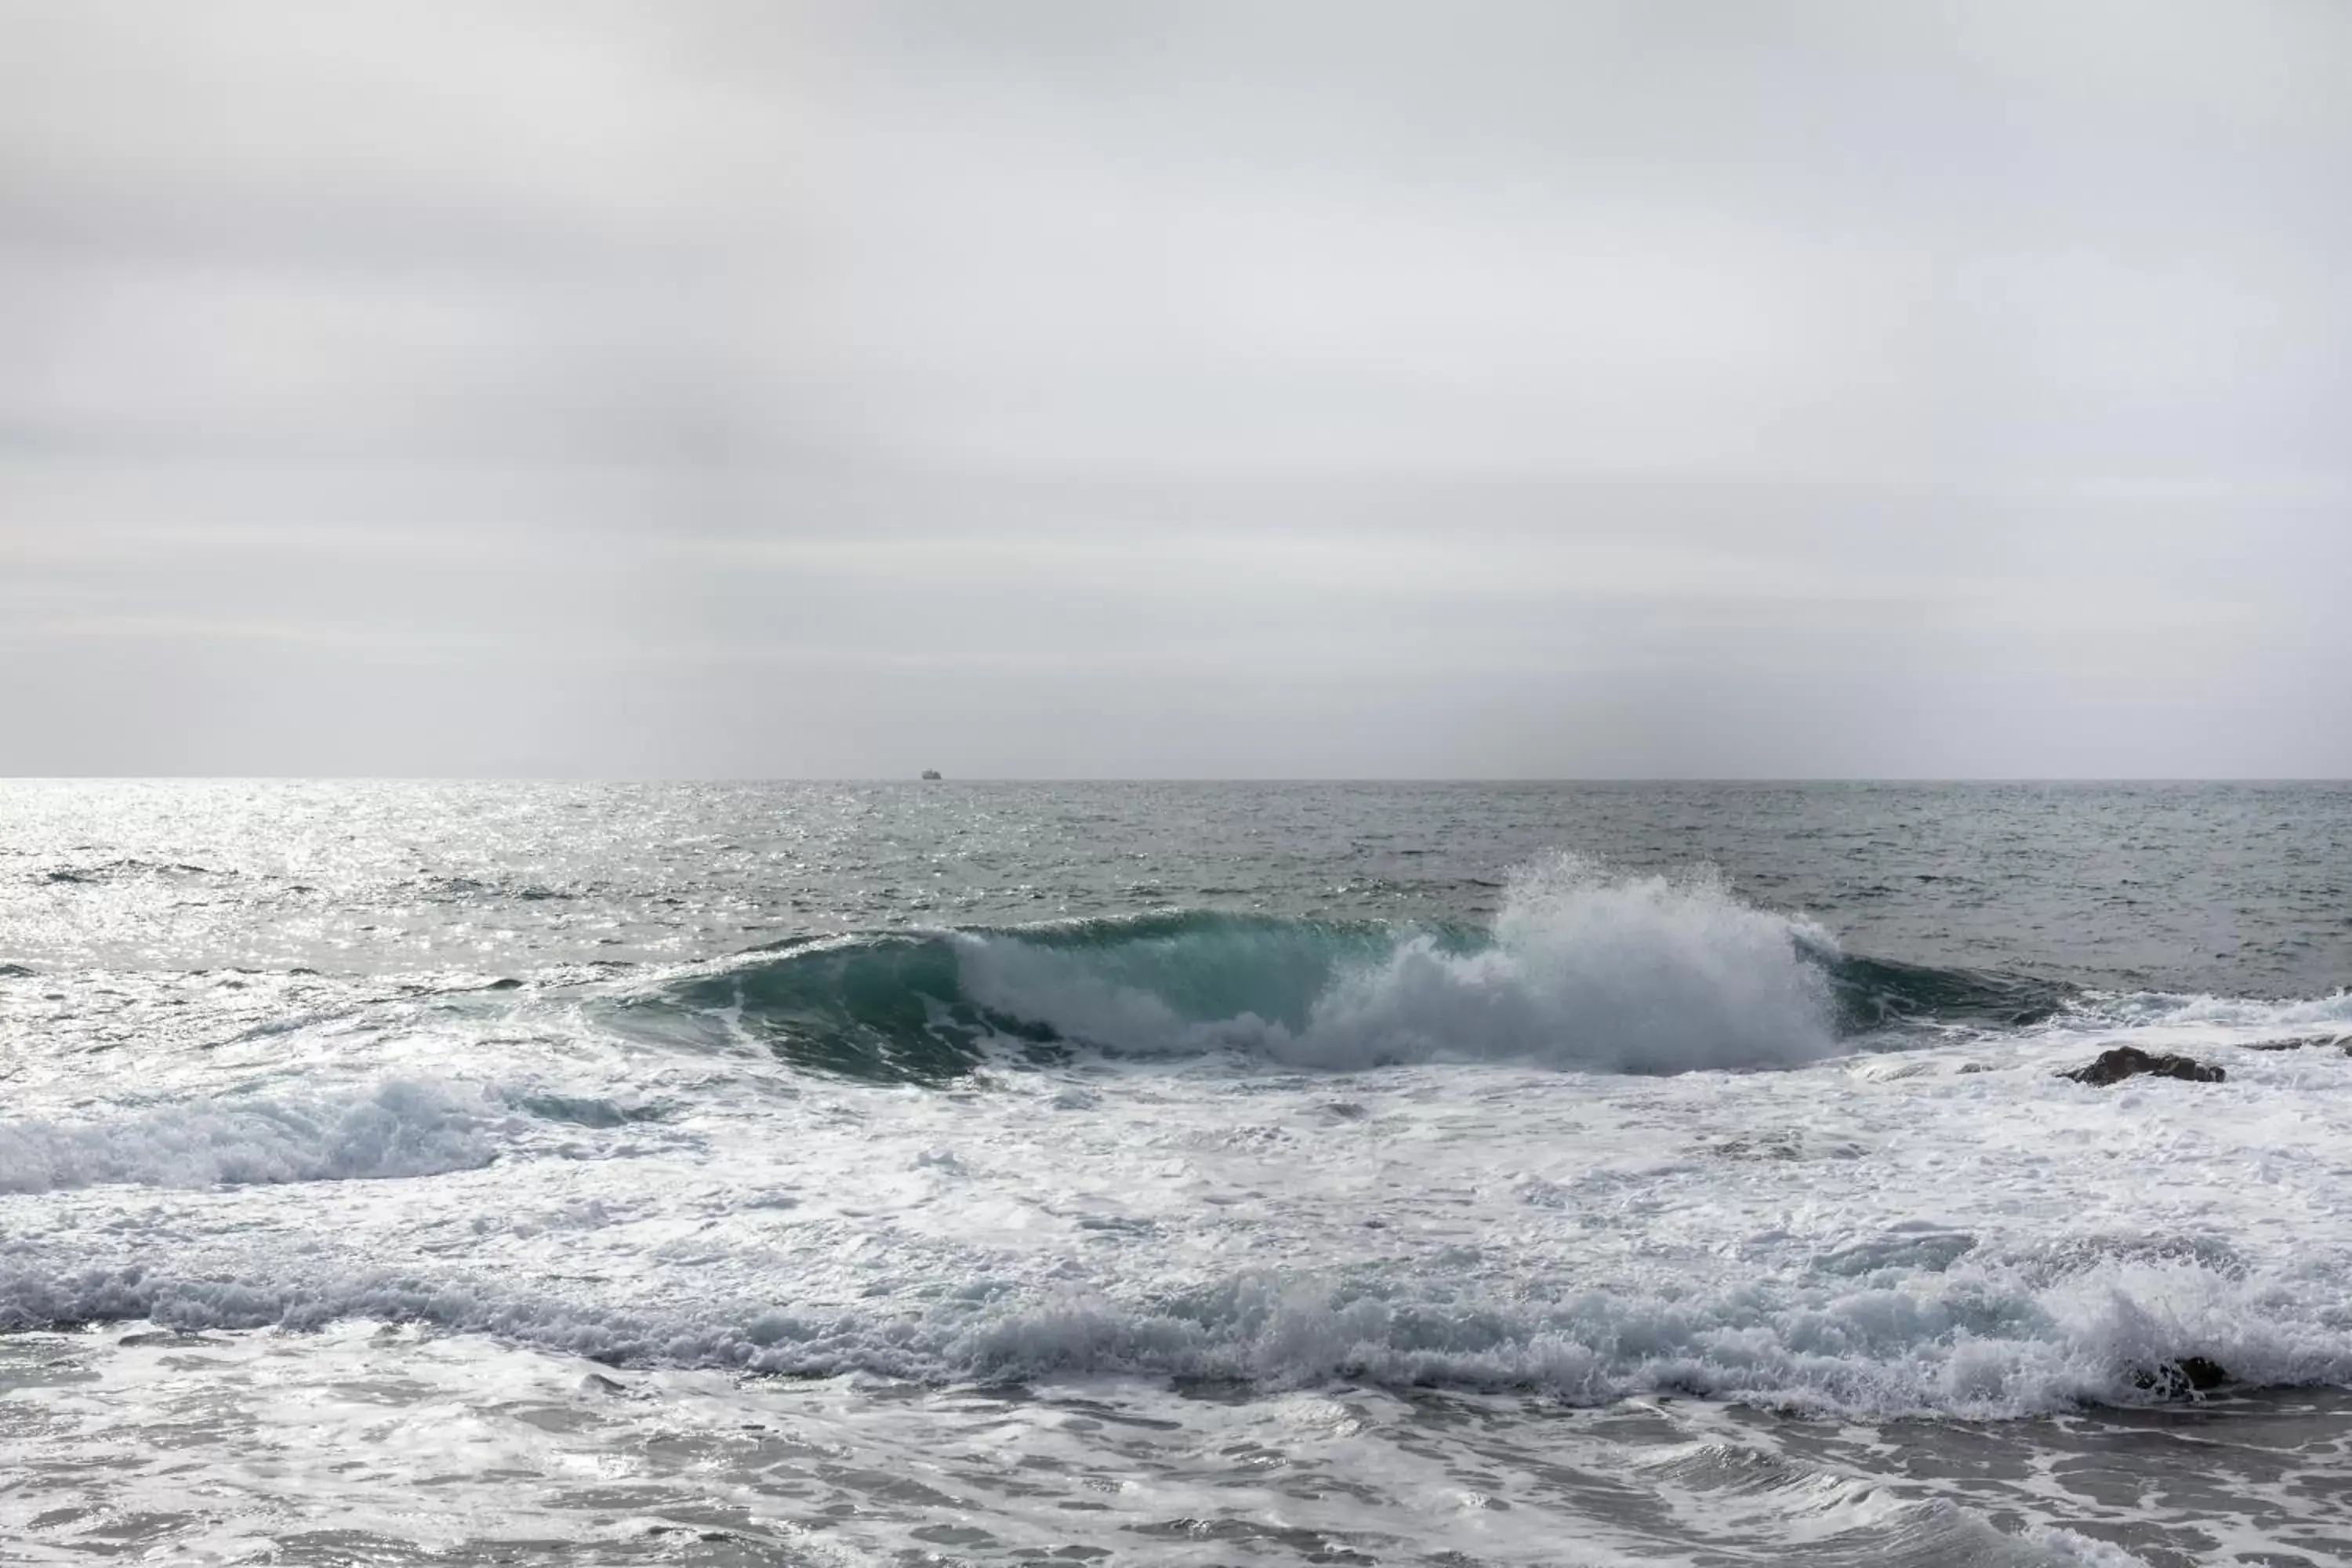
1189,1173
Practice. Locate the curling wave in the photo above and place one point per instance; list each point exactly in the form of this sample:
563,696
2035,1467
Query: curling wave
1582,970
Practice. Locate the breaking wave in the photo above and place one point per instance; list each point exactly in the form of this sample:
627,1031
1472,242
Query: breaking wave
397,1128
2004,1337
1582,970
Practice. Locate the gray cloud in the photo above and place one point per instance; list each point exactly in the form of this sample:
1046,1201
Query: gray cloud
1817,389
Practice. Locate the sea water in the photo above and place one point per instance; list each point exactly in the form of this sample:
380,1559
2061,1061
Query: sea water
1188,1173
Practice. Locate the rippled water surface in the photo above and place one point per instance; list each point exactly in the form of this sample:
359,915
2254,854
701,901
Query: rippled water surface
1173,1174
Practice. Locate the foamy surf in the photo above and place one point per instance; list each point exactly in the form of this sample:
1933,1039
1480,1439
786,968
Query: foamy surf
1936,1240
396,1129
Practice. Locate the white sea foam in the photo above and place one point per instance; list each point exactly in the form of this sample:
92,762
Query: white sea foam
2319,1014
1982,1341
1941,1242
657,1464
397,1128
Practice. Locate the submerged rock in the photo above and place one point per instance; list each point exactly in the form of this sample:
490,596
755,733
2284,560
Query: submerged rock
2299,1042
2119,1062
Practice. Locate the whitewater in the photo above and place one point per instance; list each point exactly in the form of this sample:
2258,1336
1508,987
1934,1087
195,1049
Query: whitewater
1152,1173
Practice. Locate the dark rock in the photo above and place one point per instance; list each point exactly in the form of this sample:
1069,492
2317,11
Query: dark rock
2189,1376
2119,1062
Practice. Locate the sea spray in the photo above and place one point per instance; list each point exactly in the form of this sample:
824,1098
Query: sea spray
1593,970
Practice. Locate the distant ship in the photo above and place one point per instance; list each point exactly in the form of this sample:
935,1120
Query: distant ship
930,773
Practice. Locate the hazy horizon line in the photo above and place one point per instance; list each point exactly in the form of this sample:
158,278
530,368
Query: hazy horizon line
1261,780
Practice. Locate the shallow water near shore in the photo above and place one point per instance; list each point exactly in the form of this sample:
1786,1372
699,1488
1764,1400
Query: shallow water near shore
386,1444
1010,1173
379,1444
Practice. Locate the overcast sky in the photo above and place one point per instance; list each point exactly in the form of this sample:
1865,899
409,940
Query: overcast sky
1652,388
